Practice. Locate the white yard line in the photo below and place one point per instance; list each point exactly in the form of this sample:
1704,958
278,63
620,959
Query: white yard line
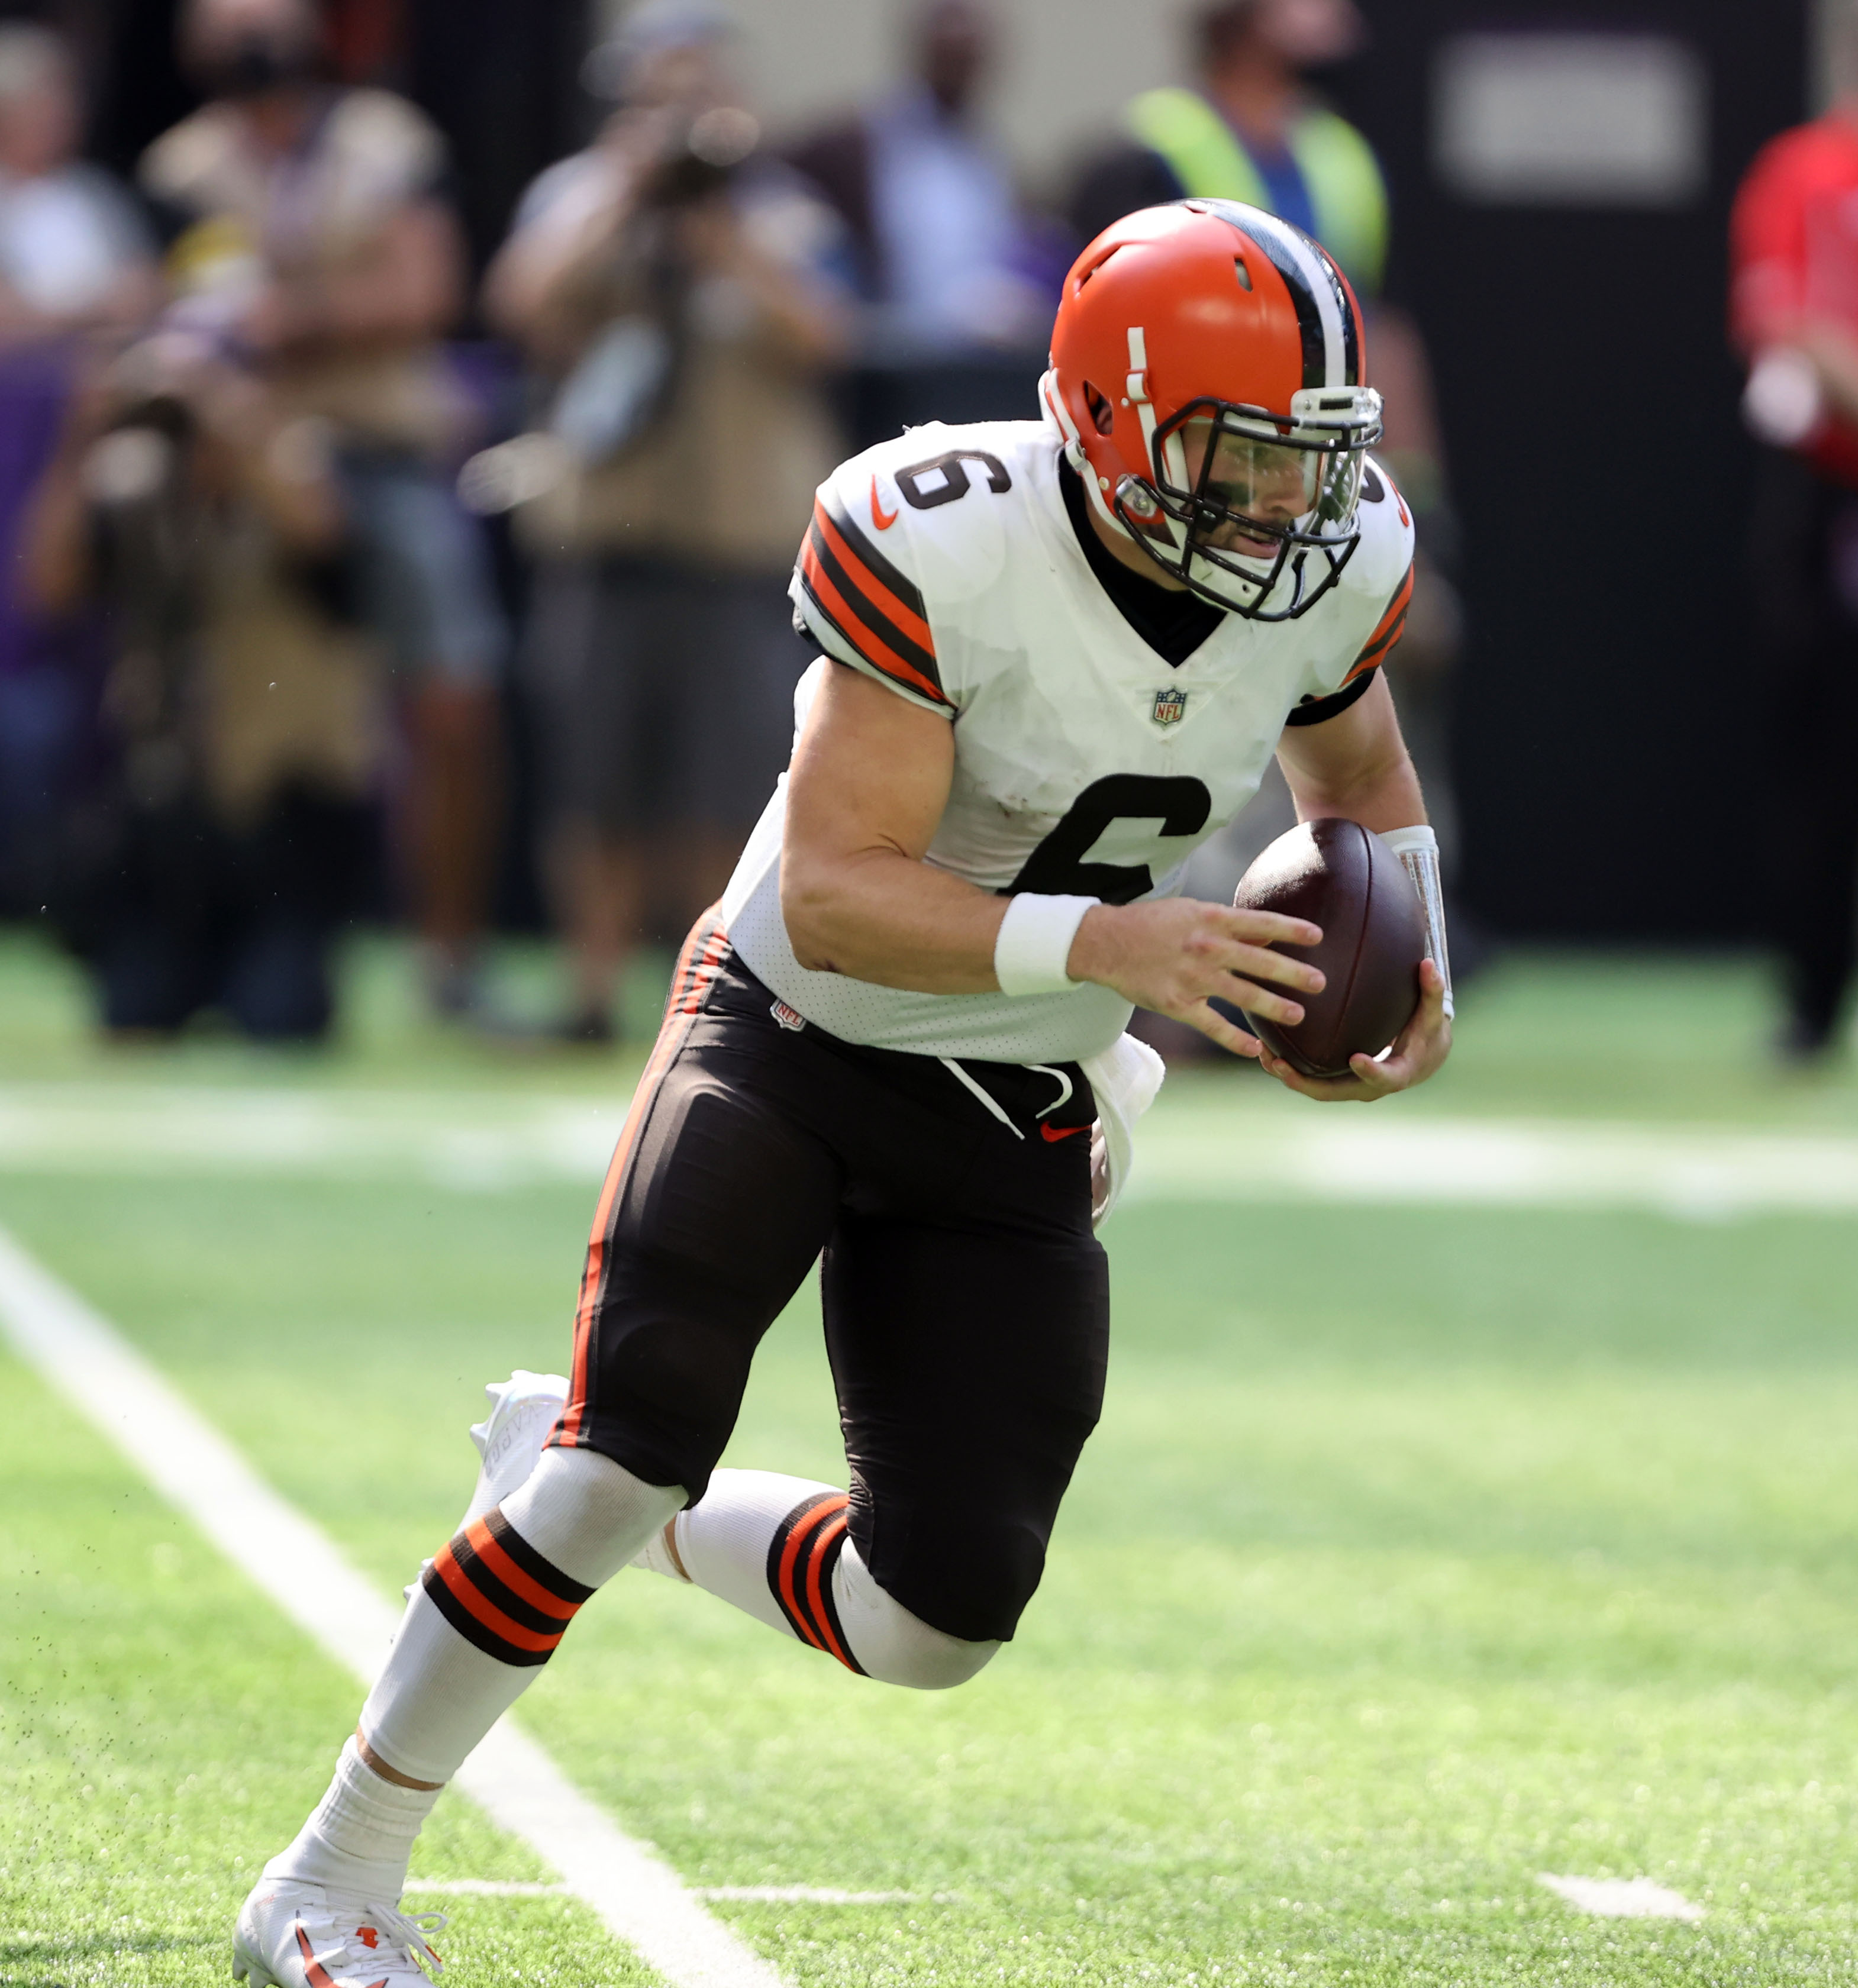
482,1888
1623,1898
805,1894
1195,1147
1702,1173
753,1894
635,1893
472,1140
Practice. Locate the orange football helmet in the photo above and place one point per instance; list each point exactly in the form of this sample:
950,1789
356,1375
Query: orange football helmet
1207,371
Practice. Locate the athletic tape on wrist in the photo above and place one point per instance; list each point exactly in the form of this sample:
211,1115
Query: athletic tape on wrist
1418,849
1035,940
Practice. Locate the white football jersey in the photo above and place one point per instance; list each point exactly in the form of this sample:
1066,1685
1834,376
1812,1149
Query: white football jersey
944,564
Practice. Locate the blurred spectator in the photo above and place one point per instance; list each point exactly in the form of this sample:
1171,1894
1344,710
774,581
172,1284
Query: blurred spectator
316,242
241,698
959,283
74,254
1252,132
1794,317
675,283
75,262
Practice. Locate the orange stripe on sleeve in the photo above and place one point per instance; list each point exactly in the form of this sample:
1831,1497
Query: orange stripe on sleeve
885,658
908,622
1388,627
1387,632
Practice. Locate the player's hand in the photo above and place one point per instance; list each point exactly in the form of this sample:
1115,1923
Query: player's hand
1422,1045
1177,954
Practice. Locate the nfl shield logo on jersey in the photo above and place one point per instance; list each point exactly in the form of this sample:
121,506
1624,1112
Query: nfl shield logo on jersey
1170,706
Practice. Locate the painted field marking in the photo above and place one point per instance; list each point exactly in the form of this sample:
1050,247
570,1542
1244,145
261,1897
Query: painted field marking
1194,1148
1623,1898
758,1895
805,1894
484,1888
1694,1173
636,1895
471,1140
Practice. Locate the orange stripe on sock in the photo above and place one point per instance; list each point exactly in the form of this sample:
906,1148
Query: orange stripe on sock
790,1557
487,1612
484,1544
810,1529
833,1529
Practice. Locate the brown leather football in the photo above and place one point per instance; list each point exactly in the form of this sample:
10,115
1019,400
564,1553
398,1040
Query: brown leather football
1341,877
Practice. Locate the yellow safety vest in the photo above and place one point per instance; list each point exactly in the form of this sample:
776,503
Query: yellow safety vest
1347,192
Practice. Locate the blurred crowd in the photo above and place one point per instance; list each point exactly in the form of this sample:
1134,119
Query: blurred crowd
333,565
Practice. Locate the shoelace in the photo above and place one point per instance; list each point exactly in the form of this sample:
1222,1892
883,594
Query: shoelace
411,1929
407,1931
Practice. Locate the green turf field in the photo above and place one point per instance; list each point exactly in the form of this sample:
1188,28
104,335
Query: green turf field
1423,1550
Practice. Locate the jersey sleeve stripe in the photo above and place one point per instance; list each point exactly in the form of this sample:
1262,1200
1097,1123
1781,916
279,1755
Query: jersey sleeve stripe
812,616
906,596
842,543
1387,632
857,631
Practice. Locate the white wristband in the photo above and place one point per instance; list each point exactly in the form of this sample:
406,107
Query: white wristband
1034,943
1418,849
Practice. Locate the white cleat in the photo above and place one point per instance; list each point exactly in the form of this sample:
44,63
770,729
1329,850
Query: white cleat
293,1936
510,1439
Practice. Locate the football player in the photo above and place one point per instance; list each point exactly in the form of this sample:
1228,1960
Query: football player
1057,654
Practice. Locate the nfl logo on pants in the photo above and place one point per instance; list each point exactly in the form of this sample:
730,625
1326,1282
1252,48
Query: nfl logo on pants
1170,706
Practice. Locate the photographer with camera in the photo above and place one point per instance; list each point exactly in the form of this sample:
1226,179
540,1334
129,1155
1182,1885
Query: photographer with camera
242,701
315,235
677,291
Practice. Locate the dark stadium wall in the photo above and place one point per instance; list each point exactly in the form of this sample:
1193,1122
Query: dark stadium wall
1610,725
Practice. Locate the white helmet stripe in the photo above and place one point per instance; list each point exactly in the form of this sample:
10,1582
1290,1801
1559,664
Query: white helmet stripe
1289,246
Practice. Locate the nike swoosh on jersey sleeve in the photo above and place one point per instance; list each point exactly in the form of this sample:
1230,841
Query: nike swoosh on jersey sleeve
849,589
1387,632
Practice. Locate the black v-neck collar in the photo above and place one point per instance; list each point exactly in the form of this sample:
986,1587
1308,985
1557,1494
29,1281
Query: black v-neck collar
1173,623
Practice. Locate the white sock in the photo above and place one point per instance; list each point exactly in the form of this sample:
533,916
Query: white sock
462,1658
813,1586
890,1643
360,1835
722,1543
588,1515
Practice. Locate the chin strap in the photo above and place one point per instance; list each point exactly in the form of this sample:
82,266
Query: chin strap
1418,849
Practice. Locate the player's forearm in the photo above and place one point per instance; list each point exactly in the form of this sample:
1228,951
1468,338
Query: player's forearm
883,916
1355,766
1383,796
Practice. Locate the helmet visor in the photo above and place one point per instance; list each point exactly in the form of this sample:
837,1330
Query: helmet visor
1243,494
